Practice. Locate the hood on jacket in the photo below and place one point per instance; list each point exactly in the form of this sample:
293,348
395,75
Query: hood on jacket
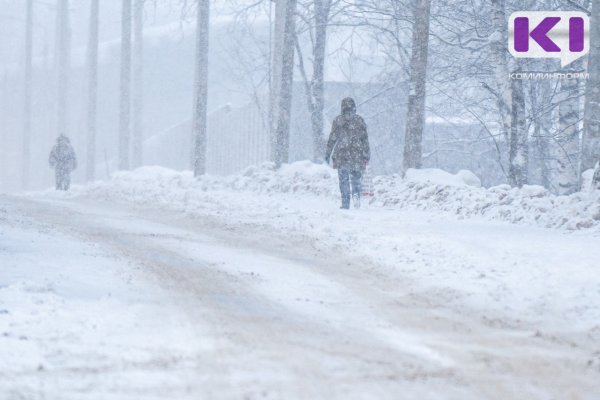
62,139
348,106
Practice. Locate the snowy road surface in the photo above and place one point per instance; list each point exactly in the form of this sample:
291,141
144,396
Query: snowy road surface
107,301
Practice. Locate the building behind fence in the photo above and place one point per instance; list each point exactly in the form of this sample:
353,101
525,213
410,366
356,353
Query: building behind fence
239,136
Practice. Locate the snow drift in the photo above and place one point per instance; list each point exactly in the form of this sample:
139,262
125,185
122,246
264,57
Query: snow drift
434,190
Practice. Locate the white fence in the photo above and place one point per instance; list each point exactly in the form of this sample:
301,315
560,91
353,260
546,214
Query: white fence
236,139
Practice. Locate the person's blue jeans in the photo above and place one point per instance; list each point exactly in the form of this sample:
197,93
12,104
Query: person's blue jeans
350,182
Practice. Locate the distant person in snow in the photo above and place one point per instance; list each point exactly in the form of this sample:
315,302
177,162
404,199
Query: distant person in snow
348,148
64,161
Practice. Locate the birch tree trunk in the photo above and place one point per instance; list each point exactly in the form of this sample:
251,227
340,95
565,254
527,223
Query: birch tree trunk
321,9
591,118
282,133
199,122
125,86
92,89
415,119
275,81
541,133
7,149
519,141
64,61
498,43
27,93
567,140
541,130
138,77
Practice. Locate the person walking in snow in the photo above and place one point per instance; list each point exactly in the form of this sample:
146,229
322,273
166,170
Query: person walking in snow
64,161
348,149
596,178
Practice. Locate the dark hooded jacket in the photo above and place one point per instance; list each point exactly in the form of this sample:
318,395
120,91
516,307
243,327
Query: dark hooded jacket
348,144
62,156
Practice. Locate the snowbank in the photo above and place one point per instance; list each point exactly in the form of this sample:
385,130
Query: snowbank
532,205
586,180
435,190
440,177
169,187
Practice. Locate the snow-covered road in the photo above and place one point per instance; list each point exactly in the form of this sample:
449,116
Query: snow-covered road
148,303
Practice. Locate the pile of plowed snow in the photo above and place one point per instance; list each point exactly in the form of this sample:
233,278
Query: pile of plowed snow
530,205
459,194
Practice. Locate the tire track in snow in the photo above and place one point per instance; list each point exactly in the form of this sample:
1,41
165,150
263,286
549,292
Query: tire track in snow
243,306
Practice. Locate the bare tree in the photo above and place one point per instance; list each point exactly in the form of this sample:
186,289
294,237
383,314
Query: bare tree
322,8
27,93
498,42
519,140
276,36
92,89
5,151
286,58
566,180
199,118
138,77
415,119
315,87
541,101
125,86
591,123
64,61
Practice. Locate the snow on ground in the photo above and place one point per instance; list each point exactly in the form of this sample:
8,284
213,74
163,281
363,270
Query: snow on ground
74,316
453,290
521,270
428,190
